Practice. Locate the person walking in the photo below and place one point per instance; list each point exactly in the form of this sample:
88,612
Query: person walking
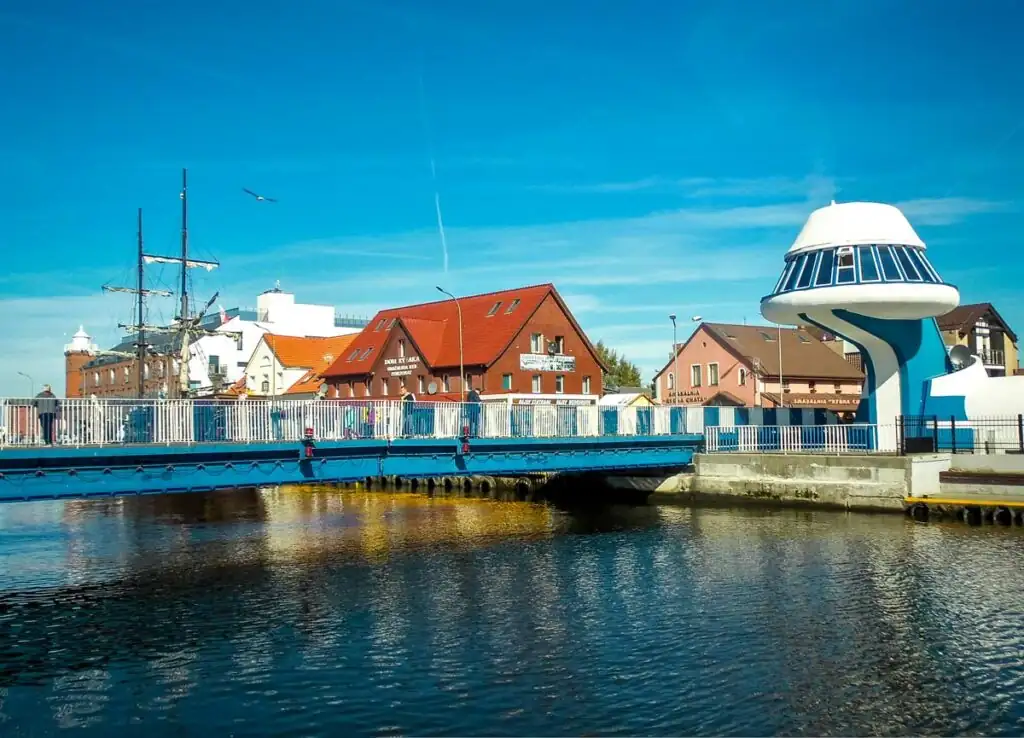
408,413
47,407
473,411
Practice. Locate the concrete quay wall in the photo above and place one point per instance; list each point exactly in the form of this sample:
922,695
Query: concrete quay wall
851,482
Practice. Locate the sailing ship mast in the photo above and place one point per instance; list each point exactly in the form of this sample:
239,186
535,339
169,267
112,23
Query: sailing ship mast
186,323
140,292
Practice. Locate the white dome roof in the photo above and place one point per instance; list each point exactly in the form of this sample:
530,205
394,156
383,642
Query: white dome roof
81,333
854,224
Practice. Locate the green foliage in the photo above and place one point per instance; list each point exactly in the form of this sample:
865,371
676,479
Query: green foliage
621,371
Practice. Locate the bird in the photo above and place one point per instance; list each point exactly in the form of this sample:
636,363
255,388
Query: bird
258,197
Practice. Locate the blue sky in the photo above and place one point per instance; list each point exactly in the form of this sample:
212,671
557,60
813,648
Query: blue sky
647,158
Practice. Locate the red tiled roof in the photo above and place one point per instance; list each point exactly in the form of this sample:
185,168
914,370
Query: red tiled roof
434,328
309,383
308,352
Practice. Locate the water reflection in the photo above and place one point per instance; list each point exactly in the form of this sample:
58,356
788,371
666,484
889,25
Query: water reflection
317,612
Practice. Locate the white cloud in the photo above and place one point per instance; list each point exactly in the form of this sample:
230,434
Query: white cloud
944,211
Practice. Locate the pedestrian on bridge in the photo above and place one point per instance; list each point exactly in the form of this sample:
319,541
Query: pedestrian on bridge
47,406
473,411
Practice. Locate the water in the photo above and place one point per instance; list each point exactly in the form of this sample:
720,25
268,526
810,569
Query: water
303,612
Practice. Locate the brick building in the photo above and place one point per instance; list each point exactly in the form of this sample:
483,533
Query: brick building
739,365
89,372
513,342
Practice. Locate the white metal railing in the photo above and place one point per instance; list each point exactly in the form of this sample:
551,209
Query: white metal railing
832,438
98,422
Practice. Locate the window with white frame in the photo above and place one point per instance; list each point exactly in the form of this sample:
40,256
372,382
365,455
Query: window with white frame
366,388
537,343
586,385
421,384
446,383
383,385
401,347
559,344
846,270
559,383
671,381
535,384
741,377
713,374
506,382
695,375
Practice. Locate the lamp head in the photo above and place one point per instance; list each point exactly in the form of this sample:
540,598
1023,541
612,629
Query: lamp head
672,317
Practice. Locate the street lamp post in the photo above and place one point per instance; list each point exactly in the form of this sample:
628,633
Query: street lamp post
462,369
675,357
782,401
31,383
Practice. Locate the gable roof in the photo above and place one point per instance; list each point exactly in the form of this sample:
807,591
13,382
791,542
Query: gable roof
307,352
490,322
803,355
962,319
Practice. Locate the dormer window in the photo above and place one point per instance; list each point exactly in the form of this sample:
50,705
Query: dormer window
494,308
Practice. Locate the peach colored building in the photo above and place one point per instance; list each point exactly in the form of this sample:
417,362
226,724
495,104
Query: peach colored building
723,364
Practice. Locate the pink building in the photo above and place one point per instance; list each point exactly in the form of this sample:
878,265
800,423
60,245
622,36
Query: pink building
739,365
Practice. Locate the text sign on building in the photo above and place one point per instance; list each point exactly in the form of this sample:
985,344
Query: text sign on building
545,363
403,366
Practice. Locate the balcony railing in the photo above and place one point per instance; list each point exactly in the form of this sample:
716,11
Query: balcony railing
993,357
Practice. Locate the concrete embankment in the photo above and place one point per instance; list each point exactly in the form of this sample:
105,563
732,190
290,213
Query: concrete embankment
868,482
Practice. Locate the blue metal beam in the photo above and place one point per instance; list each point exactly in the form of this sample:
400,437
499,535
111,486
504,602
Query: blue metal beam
65,472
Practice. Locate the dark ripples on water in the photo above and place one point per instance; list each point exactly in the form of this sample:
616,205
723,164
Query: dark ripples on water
300,612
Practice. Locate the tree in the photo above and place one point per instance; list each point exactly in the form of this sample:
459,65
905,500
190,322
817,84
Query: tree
621,371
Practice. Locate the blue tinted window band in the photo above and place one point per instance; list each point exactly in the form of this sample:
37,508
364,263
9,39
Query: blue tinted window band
808,272
868,268
825,268
791,279
890,271
908,267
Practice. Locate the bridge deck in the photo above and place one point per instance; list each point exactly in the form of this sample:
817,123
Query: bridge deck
85,471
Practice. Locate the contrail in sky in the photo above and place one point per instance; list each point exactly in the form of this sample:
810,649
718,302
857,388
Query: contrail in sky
433,167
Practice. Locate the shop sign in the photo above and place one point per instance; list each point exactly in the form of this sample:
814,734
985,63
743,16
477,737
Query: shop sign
402,366
547,363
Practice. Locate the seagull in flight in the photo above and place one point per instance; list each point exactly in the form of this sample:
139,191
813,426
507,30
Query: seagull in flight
259,197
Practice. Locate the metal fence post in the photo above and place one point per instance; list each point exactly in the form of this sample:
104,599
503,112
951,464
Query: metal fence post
1020,432
901,435
935,433
952,433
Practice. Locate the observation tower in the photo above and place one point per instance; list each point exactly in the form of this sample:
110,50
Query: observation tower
859,271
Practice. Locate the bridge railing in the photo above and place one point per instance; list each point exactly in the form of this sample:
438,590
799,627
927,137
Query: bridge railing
831,439
99,422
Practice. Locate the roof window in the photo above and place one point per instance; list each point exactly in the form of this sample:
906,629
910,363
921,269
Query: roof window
353,355
366,353
512,306
381,324
392,323
803,338
494,308
766,336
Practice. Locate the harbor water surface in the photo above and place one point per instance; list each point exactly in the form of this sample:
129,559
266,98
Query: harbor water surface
318,612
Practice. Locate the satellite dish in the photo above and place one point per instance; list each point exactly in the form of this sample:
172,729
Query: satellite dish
960,356
322,392
432,388
552,348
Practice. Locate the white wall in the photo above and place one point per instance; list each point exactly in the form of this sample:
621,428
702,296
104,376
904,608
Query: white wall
263,365
284,317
